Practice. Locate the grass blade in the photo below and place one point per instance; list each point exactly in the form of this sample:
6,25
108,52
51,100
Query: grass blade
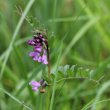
15,35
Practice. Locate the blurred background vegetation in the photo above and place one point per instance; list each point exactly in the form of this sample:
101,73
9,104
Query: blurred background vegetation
81,28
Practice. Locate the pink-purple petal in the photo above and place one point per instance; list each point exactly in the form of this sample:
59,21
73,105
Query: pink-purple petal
45,62
38,48
34,83
44,59
36,58
33,54
31,42
39,59
35,88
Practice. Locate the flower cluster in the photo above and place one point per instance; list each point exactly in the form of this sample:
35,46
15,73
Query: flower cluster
40,48
40,54
36,85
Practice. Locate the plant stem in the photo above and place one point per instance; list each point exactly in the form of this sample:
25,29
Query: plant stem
48,57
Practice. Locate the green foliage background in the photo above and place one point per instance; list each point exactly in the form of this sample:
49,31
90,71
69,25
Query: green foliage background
78,33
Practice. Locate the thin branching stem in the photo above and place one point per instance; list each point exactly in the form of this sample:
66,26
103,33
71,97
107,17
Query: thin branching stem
82,78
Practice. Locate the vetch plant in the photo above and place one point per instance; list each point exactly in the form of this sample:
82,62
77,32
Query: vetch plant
41,54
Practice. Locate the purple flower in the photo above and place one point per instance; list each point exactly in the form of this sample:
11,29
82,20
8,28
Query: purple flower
38,48
40,52
35,55
35,85
31,42
44,59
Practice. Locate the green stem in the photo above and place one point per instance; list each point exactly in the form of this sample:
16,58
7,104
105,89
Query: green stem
48,95
48,57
